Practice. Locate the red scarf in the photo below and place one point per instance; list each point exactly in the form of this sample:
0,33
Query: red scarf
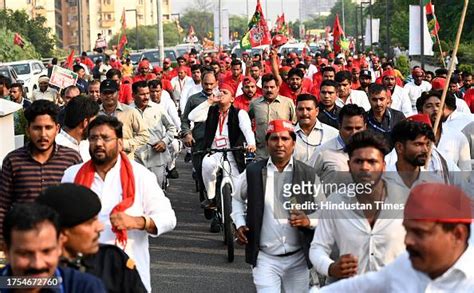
85,177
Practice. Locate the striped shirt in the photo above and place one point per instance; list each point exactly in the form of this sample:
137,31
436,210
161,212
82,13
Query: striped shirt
23,178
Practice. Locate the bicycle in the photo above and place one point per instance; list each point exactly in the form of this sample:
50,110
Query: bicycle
224,197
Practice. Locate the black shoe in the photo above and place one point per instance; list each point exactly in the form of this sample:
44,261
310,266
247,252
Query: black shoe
208,204
215,226
188,158
173,174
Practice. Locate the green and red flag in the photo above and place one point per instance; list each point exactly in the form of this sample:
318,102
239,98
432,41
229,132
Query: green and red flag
123,41
281,25
257,33
433,25
337,34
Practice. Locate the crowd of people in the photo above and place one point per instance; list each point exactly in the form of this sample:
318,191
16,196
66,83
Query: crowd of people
99,156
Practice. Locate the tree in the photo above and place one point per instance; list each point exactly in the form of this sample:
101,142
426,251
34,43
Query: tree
238,24
147,36
32,30
349,16
11,52
202,21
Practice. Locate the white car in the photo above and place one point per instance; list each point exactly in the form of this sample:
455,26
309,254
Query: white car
293,47
29,71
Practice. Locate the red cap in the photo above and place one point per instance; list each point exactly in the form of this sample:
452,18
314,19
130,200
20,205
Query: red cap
279,40
77,60
285,69
247,80
280,126
157,69
390,72
436,202
144,63
423,118
350,58
226,86
438,83
417,70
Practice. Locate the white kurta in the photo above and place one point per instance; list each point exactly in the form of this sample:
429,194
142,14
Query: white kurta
356,97
306,145
400,276
82,147
401,101
149,200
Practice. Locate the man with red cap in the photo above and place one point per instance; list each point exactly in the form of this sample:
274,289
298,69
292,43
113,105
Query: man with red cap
250,91
143,71
448,140
417,86
272,223
168,71
226,127
399,96
439,257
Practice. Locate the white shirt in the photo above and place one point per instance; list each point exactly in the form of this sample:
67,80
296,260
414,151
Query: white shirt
63,138
401,101
189,90
330,158
356,97
391,175
458,120
349,231
461,106
400,276
306,145
276,236
414,91
453,145
311,71
200,114
149,200
49,94
170,108
179,85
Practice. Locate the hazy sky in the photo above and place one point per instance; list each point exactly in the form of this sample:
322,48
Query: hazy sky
239,7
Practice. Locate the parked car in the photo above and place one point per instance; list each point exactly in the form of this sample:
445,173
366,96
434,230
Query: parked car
294,47
181,49
29,71
153,56
135,57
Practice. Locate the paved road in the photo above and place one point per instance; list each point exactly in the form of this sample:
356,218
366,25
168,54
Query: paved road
191,259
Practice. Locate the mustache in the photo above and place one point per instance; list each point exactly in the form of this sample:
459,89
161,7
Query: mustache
36,271
413,253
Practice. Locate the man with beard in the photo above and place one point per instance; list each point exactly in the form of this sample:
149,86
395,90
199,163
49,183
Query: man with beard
41,163
133,205
79,112
135,133
450,142
310,133
412,141
235,78
355,77
399,97
365,79
466,82
416,87
438,258
33,247
381,118
369,236
254,71
249,89
78,208
293,86
346,95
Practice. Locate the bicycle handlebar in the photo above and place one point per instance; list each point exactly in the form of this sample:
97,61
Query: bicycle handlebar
224,150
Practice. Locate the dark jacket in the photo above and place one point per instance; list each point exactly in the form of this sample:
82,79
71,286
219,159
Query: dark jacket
113,266
256,180
236,137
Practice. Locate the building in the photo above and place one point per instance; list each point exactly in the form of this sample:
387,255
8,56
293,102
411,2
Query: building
76,23
314,8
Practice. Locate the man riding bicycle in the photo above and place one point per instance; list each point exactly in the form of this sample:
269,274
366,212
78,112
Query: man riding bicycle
225,127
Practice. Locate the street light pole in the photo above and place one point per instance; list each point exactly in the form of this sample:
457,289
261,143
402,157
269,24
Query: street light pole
422,34
161,43
371,33
389,54
136,26
220,24
343,17
79,25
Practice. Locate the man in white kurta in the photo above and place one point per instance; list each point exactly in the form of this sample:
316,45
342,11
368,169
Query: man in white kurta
149,203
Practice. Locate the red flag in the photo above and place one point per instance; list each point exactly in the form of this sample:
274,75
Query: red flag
337,33
123,20
258,33
433,25
17,40
191,31
121,45
69,60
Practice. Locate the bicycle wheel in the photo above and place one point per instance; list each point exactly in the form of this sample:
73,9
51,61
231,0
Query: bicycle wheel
228,225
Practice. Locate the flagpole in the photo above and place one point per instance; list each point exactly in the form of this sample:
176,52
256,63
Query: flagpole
440,50
422,34
161,45
343,18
